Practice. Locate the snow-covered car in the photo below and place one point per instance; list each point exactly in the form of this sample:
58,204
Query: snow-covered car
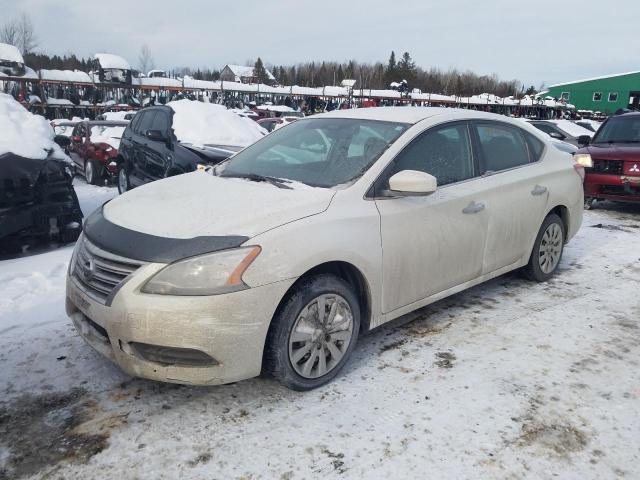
37,199
94,149
278,258
180,137
11,61
564,130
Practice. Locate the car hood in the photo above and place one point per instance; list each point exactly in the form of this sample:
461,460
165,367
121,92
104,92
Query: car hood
201,204
614,151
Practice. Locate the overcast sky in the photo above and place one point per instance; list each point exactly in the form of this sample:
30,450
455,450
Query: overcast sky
532,41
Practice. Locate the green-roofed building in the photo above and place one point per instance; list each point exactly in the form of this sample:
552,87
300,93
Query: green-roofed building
604,94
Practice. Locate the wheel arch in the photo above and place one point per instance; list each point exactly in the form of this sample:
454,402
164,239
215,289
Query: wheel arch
350,274
563,212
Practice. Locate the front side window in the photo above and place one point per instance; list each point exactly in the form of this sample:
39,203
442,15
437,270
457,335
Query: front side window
613,96
322,152
502,147
444,152
145,122
160,123
597,96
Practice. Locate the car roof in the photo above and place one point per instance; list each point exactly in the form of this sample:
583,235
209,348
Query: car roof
410,114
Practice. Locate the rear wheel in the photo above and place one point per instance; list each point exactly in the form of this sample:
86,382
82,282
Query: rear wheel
123,179
547,249
313,333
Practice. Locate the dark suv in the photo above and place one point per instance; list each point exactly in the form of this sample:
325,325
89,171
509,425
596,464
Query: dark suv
149,150
613,171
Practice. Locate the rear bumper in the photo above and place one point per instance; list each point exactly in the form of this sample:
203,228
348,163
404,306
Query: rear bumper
612,187
228,329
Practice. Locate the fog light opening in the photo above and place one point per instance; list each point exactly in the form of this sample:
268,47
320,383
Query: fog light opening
187,357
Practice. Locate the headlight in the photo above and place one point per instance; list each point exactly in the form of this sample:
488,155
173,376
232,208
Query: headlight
210,274
74,255
583,159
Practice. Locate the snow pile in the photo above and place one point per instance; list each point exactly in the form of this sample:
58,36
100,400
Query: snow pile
201,123
10,53
23,133
109,61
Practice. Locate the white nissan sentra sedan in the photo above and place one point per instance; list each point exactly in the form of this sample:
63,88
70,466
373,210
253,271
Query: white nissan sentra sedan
278,259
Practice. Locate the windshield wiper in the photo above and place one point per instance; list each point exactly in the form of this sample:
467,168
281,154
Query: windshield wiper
254,177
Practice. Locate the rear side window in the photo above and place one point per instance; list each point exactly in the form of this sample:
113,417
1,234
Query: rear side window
134,122
444,152
502,147
536,147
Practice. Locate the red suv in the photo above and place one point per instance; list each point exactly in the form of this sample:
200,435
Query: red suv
612,160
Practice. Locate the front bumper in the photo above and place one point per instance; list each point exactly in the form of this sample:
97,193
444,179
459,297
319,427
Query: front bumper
612,187
229,328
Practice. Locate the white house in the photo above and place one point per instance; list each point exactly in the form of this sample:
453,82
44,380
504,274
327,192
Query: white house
240,74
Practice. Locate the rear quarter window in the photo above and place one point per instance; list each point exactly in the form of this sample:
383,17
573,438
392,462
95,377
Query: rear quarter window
536,147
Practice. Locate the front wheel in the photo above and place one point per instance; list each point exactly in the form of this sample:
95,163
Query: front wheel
92,172
313,333
123,179
547,249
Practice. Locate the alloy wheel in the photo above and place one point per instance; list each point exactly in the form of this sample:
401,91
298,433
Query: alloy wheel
320,335
550,248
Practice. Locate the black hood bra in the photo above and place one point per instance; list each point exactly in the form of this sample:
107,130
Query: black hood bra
151,248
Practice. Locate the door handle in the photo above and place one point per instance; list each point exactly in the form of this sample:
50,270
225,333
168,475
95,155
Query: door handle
538,190
474,207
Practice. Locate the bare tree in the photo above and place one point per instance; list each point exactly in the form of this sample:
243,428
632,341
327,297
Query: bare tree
9,33
20,33
145,59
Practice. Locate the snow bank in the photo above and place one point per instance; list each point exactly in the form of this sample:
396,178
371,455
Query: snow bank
23,133
210,124
109,60
10,53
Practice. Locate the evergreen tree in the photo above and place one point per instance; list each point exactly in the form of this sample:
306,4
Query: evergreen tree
259,72
391,71
407,69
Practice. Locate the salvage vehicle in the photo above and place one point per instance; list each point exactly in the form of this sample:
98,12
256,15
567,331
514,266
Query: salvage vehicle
277,259
612,161
94,148
563,130
152,149
37,202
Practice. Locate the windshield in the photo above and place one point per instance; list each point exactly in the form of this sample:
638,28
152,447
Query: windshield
322,152
623,129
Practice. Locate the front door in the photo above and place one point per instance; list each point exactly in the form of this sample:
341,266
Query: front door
156,152
432,243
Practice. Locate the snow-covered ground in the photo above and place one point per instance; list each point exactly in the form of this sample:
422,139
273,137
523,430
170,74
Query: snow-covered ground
508,380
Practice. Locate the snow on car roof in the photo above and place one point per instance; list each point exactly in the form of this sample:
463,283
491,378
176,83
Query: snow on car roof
75,76
202,123
23,133
571,128
10,53
109,60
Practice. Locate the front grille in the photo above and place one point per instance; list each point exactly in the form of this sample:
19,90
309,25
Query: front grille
98,273
607,167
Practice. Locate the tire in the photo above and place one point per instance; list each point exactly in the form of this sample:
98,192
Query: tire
92,172
123,179
547,249
288,360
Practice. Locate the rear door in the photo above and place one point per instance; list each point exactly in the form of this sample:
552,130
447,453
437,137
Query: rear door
436,242
517,190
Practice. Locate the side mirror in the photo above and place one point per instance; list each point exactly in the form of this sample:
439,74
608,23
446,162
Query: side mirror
584,140
62,141
76,139
557,135
155,136
409,183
